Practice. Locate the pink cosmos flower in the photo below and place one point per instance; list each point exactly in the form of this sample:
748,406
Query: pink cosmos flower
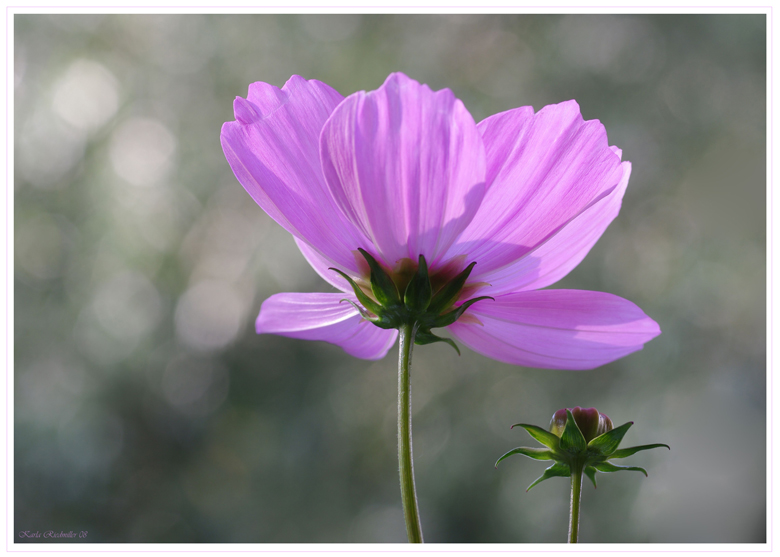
403,172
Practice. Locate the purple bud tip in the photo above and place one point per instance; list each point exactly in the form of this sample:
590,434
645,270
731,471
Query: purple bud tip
589,420
558,422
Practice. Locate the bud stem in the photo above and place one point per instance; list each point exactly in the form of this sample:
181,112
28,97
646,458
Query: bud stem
574,512
405,460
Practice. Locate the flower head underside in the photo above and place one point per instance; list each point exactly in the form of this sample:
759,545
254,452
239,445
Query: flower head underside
411,210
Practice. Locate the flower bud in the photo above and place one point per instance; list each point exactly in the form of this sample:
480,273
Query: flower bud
589,420
605,424
558,422
582,445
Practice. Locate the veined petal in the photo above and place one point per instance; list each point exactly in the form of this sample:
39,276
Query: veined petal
556,329
273,149
406,165
555,257
543,169
322,266
321,316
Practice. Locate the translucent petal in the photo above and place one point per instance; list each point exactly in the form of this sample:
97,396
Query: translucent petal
557,329
321,316
543,170
407,166
273,149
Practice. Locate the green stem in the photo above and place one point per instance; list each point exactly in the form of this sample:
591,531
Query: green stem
574,513
405,461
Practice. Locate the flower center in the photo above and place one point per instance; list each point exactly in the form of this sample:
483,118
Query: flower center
410,295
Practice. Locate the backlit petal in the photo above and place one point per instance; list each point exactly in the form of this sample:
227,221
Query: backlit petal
555,258
317,316
543,169
273,149
322,266
406,165
556,329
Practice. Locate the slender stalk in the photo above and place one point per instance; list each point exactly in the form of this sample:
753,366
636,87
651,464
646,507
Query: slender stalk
405,461
574,512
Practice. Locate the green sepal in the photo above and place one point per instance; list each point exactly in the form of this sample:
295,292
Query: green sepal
427,337
383,321
608,442
572,440
590,471
448,293
542,435
536,454
382,285
557,469
418,293
454,315
363,313
609,467
628,451
362,297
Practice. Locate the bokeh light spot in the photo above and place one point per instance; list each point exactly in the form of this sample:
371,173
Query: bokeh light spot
87,96
209,315
128,307
141,151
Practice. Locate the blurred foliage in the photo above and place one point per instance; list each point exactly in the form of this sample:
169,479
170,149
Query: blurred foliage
148,410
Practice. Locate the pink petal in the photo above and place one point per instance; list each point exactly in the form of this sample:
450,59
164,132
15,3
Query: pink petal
554,258
322,266
315,316
557,329
406,165
273,149
543,169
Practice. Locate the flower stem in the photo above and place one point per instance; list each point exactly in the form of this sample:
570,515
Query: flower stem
405,461
574,512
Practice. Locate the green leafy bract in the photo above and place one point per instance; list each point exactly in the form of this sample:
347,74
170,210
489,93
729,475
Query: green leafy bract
628,451
572,439
606,443
530,452
557,469
419,307
571,453
542,435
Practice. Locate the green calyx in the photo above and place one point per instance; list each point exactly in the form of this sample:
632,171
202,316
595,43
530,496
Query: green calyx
426,304
572,453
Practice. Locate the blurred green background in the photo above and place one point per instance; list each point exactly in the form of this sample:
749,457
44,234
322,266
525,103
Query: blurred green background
148,410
